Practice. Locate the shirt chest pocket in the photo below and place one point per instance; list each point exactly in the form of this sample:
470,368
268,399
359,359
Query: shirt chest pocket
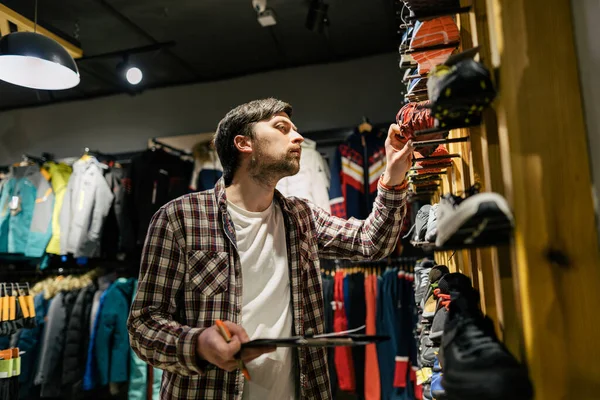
208,272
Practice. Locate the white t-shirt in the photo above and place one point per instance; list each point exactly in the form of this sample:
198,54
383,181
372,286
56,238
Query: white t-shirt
266,308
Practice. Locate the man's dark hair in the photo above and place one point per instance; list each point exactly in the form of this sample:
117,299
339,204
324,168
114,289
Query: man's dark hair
241,121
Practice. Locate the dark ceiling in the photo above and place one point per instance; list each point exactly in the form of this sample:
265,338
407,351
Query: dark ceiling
214,39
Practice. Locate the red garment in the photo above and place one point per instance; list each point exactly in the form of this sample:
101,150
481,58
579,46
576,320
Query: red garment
344,365
372,379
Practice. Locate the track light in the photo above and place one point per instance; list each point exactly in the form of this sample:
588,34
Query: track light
317,18
132,74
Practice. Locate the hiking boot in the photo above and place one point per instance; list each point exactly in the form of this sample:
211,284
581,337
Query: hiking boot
482,218
429,302
454,282
438,31
459,93
476,366
431,232
422,278
420,226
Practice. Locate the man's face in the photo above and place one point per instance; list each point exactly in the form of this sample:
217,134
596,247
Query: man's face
276,149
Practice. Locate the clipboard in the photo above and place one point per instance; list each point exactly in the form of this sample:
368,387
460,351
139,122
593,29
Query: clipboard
330,341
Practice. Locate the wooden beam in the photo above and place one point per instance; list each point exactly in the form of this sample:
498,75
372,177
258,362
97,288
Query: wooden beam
26,25
543,139
4,27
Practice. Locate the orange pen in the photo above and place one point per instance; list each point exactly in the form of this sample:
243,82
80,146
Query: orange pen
227,336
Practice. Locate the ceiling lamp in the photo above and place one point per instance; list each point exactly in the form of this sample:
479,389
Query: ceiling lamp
132,74
35,61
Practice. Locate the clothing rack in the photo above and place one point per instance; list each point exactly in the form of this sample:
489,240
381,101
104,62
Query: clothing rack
166,146
97,153
386,262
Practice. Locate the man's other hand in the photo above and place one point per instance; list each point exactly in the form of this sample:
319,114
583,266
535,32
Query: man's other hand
213,348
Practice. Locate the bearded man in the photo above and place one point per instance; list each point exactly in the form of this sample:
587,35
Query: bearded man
244,254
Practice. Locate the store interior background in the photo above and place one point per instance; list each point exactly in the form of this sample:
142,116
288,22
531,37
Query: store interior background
323,96
332,80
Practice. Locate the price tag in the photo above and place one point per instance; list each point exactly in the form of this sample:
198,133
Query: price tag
15,201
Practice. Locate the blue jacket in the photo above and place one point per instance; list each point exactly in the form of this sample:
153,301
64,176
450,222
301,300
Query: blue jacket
353,179
26,225
138,376
90,378
29,342
112,350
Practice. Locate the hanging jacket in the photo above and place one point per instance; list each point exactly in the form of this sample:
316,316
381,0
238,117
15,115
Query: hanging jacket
85,206
90,377
355,172
77,342
112,350
30,343
206,172
117,236
157,177
344,365
26,207
6,189
59,178
312,181
50,365
387,325
138,375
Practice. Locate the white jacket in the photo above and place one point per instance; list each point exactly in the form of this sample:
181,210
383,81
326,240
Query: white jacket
313,179
86,204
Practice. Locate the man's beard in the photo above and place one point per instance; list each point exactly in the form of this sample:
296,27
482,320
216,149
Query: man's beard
268,170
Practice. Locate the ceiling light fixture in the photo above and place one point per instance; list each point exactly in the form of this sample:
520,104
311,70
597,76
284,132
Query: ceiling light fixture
317,18
35,61
132,74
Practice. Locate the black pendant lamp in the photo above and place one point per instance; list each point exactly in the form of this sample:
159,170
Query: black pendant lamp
35,61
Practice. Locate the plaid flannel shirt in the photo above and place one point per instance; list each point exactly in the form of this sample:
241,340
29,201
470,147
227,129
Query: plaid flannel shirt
190,276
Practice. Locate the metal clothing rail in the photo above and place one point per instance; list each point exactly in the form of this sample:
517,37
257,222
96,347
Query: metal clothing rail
166,146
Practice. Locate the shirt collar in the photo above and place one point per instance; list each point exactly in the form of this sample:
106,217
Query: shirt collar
222,197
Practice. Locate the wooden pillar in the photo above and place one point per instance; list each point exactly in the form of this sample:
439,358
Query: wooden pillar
544,149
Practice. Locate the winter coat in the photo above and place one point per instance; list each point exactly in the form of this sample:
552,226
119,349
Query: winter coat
59,178
86,204
49,374
26,224
138,377
118,237
77,341
355,172
29,342
112,350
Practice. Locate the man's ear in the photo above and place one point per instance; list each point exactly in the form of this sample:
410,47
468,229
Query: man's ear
243,144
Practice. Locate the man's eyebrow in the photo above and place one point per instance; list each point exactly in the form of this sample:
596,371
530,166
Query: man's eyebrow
285,120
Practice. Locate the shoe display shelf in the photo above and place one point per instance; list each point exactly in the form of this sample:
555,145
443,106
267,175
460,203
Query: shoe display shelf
523,150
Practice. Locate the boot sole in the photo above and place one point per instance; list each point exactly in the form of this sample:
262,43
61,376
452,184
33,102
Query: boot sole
487,384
